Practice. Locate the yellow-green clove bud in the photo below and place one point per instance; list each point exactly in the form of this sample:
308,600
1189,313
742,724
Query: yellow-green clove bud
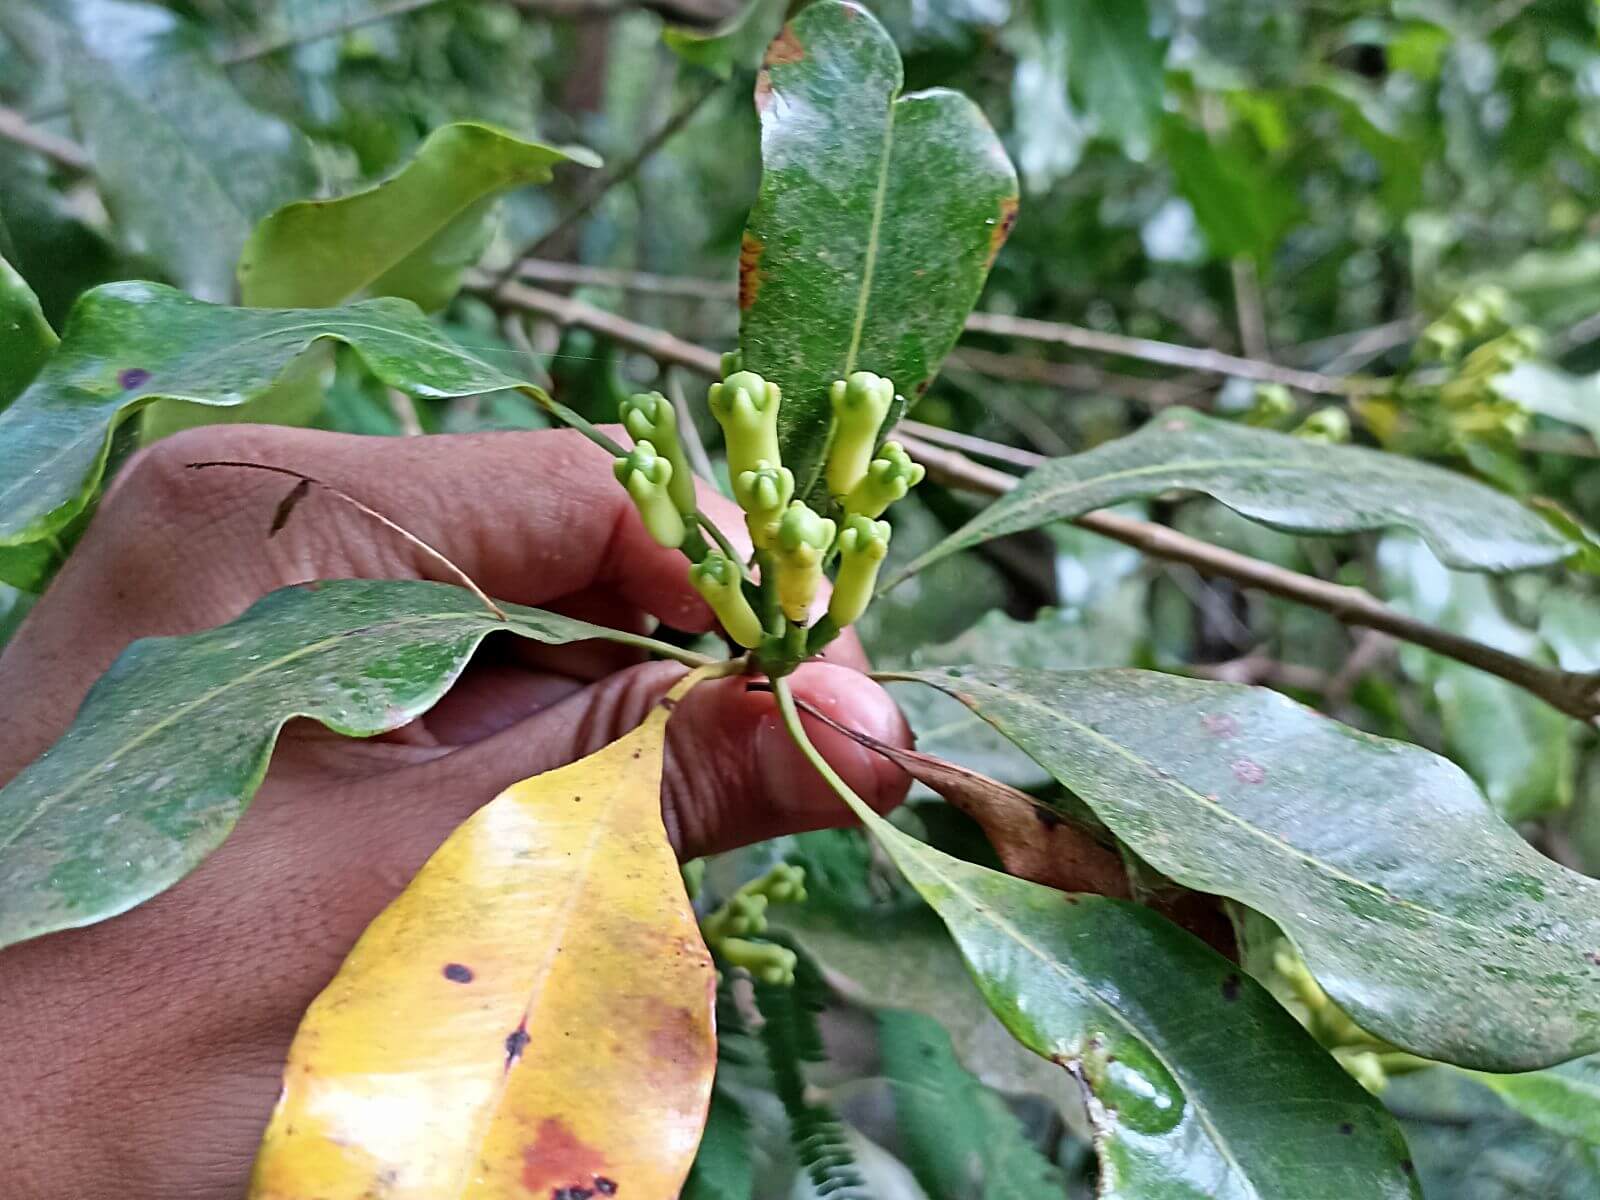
650,417
863,543
746,406
647,475
889,477
803,541
764,493
1330,426
767,961
717,578
860,405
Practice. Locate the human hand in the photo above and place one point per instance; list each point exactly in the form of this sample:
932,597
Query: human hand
145,1051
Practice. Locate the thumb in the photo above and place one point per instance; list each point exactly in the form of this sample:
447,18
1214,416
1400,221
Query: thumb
733,775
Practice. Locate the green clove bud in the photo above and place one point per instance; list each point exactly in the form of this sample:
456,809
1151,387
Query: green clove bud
889,477
768,962
647,475
860,406
746,406
717,578
650,417
862,547
803,541
764,493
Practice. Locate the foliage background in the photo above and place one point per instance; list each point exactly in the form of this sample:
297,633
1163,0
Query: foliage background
1302,183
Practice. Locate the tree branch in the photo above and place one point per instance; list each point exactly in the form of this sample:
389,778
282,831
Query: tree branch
14,127
598,185
1577,695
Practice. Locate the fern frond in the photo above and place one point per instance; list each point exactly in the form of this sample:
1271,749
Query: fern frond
959,1138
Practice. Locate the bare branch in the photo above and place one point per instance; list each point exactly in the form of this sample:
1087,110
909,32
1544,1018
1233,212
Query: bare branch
1212,362
1577,695
14,127
598,185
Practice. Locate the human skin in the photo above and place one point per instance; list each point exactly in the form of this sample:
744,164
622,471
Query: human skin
142,1055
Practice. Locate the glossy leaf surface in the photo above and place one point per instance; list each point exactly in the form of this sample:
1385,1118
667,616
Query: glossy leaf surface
26,338
533,1016
132,797
876,222
1382,862
1199,1083
128,344
419,227
1285,482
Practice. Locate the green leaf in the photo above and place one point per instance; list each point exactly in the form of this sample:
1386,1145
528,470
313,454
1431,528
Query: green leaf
128,344
1285,482
1198,1082
26,338
173,740
1114,64
1468,1145
1399,885
722,1169
736,46
1240,206
1519,749
185,165
411,235
1552,392
959,1139
1563,1099
876,222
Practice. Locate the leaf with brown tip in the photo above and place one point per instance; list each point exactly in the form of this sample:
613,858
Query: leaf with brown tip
533,1016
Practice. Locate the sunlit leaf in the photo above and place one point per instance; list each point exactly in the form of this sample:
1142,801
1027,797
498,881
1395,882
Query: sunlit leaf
129,344
876,222
1114,65
410,236
1198,1082
1281,481
533,1016
133,796
1382,862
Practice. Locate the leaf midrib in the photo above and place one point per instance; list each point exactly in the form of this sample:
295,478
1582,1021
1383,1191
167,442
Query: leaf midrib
1055,965
155,727
1231,817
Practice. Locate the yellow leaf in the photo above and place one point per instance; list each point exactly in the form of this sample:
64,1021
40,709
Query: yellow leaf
532,1017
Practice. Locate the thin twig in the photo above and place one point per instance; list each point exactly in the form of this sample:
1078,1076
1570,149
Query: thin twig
282,515
14,127
1576,694
1248,306
1212,362
981,447
693,287
404,409
1072,377
598,185
262,47
688,432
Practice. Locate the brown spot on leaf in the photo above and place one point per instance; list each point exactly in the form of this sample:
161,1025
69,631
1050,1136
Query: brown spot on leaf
785,48
1002,229
1594,957
1230,988
558,1159
1220,725
458,972
516,1042
1346,1128
132,377
604,1186
1248,771
750,251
